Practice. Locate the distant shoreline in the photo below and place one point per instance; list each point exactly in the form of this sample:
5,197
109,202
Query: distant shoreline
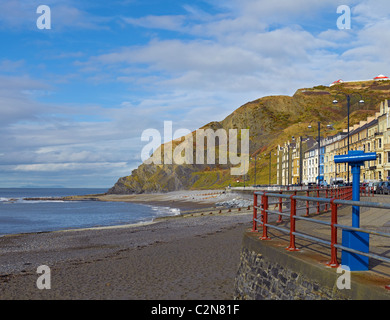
185,203
184,200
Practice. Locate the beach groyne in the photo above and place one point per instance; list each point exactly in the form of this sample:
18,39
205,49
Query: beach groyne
269,272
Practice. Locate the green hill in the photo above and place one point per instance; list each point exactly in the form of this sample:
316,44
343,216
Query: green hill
272,120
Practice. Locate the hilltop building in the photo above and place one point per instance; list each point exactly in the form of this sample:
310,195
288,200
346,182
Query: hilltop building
380,77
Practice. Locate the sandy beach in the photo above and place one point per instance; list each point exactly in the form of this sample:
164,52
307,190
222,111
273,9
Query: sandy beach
188,257
185,200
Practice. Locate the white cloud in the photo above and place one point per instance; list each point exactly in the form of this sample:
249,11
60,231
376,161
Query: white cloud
56,167
370,12
158,22
17,15
244,50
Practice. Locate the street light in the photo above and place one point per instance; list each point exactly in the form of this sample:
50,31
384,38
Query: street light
270,155
269,179
319,148
348,96
255,169
244,174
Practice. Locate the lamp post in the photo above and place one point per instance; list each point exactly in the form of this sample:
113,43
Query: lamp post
300,161
269,169
319,149
269,180
348,96
255,170
244,174
270,157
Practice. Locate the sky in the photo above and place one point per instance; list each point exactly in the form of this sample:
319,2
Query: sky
76,98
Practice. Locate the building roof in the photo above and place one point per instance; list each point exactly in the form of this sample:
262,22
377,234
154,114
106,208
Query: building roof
381,77
367,125
336,82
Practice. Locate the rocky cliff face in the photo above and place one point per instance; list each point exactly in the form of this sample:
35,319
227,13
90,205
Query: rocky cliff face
271,121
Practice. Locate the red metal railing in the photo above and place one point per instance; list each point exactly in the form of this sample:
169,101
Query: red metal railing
333,199
343,193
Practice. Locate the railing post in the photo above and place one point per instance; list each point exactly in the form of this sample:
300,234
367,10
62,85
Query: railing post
293,212
318,204
326,196
265,217
280,220
254,227
333,238
307,204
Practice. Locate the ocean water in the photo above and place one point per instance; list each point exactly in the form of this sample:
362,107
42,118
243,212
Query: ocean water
22,216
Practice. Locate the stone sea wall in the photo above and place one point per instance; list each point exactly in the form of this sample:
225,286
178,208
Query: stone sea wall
269,272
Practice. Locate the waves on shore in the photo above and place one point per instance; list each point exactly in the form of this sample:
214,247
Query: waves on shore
27,211
165,211
22,200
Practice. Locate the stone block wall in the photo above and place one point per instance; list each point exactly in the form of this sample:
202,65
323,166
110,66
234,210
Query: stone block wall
268,272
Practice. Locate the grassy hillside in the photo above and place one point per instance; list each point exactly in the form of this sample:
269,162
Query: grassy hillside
272,120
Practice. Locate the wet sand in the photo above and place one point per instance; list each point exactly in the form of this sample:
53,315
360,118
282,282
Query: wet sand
172,259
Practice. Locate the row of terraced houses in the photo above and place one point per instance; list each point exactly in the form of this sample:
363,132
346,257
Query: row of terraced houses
302,161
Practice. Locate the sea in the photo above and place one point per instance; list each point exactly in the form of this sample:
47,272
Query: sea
18,215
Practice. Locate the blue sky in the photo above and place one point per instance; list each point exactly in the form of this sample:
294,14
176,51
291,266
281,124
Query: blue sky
75,99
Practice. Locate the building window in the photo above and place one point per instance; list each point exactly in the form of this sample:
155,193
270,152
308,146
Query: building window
368,146
379,158
388,156
380,143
